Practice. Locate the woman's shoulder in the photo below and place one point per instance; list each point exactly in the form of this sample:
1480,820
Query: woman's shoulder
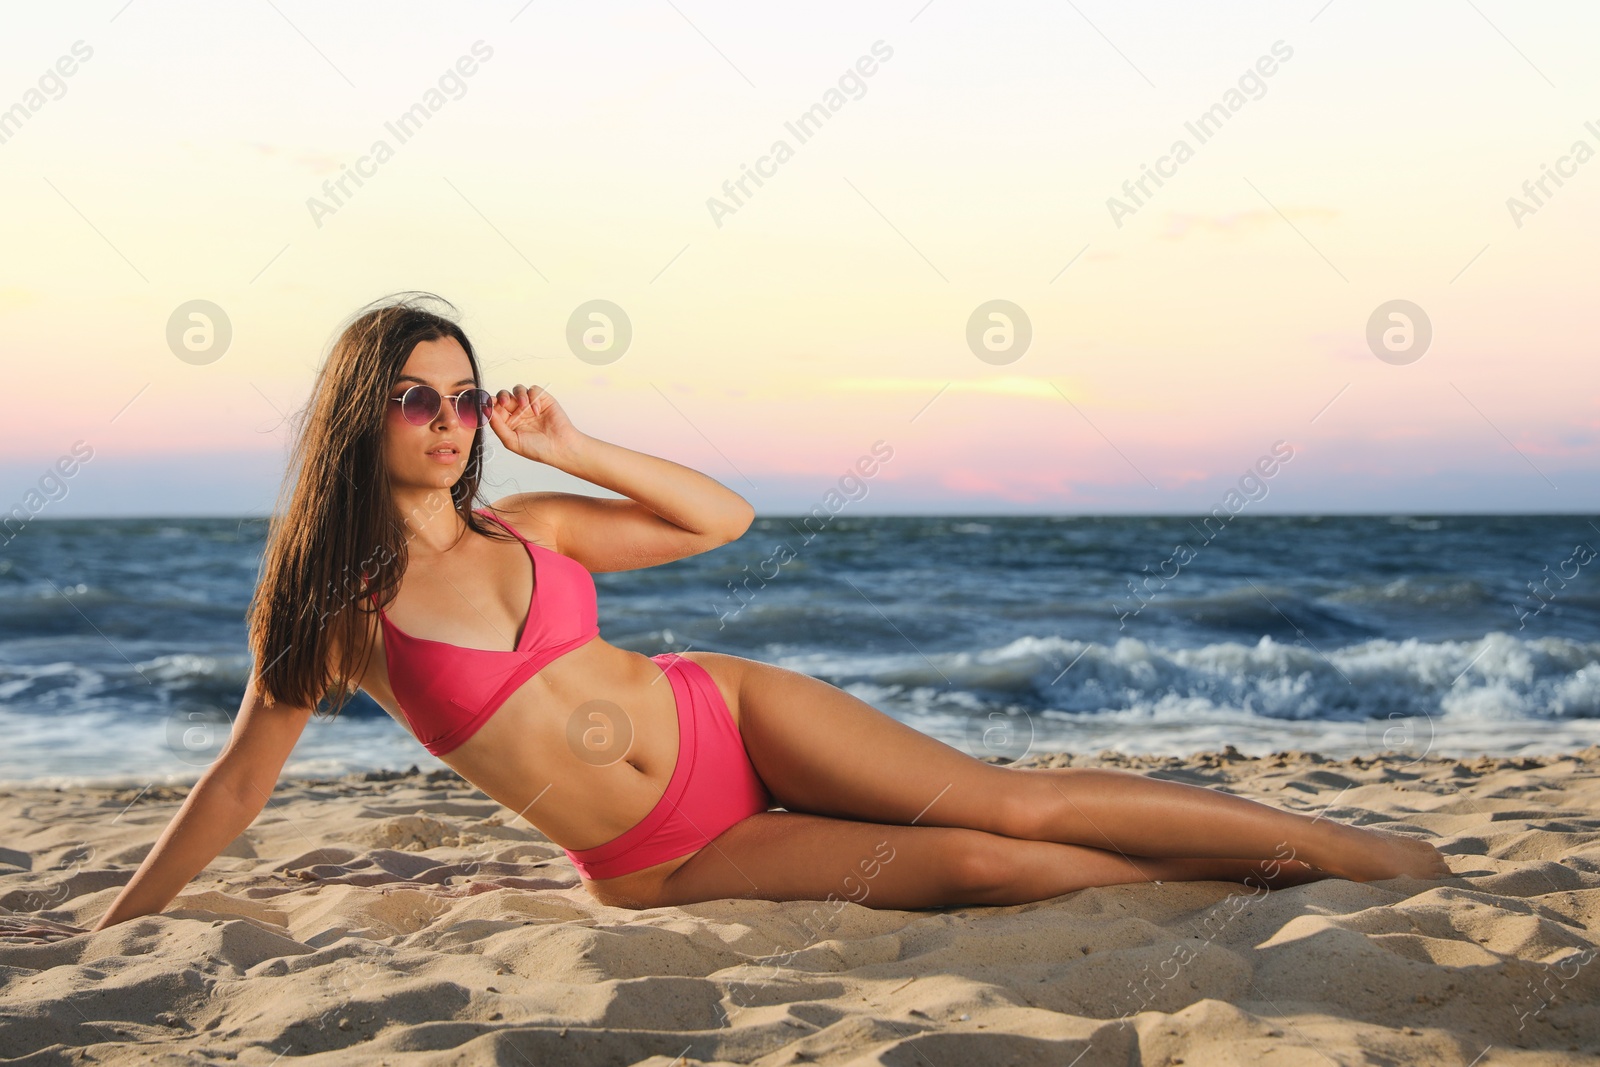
532,516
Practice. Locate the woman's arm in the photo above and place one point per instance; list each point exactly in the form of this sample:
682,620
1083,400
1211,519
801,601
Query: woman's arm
669,510
212,815
684,497
220,807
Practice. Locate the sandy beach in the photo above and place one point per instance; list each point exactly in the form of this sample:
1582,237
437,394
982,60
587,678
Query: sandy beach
407,919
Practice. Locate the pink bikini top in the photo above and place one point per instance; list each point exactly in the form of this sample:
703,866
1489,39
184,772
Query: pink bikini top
447,692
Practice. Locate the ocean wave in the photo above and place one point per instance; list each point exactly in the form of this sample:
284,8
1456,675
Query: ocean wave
1499,677
1426,593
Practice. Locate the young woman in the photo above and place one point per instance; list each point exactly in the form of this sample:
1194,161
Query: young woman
475,628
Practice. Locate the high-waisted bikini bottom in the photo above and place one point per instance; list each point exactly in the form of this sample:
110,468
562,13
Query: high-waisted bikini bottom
712,787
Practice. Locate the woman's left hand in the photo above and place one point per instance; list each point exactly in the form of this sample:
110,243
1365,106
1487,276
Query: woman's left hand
530,423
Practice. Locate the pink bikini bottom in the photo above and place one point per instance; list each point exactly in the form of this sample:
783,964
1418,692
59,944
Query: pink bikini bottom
712,787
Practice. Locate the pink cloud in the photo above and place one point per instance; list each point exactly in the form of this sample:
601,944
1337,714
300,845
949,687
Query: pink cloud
316,163
1010,484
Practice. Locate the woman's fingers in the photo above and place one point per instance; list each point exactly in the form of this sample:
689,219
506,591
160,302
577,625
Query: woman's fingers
32,928
519,398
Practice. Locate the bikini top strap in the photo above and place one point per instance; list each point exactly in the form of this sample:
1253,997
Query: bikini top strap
486,513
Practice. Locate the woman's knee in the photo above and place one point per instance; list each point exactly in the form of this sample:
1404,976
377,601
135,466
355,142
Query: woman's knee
1030,801
981,866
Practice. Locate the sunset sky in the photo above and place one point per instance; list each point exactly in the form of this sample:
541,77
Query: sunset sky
1178,331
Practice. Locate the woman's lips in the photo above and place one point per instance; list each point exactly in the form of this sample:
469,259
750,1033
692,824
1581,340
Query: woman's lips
444,456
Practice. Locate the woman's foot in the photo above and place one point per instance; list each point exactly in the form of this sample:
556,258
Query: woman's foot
1366,854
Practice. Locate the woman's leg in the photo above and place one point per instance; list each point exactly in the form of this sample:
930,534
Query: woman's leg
821,750
780,855
1130,812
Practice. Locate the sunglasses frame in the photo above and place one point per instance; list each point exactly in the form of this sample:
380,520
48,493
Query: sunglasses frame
454,398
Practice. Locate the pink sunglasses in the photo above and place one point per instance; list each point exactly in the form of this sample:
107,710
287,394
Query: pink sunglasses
420,405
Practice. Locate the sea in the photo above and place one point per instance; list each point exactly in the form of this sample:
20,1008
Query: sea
123,655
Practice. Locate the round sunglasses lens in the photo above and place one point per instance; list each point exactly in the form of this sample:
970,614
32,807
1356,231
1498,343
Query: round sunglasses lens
473,407
420,405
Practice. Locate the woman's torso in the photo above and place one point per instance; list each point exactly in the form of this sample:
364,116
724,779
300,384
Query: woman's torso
584,748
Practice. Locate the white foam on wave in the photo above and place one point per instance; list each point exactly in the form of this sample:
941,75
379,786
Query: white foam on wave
183,666
1499,677
102,748
1500,694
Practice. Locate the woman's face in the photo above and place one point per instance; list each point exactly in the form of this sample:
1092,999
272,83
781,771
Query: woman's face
433,455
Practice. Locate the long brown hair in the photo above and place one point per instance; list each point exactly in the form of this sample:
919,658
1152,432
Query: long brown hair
336,535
